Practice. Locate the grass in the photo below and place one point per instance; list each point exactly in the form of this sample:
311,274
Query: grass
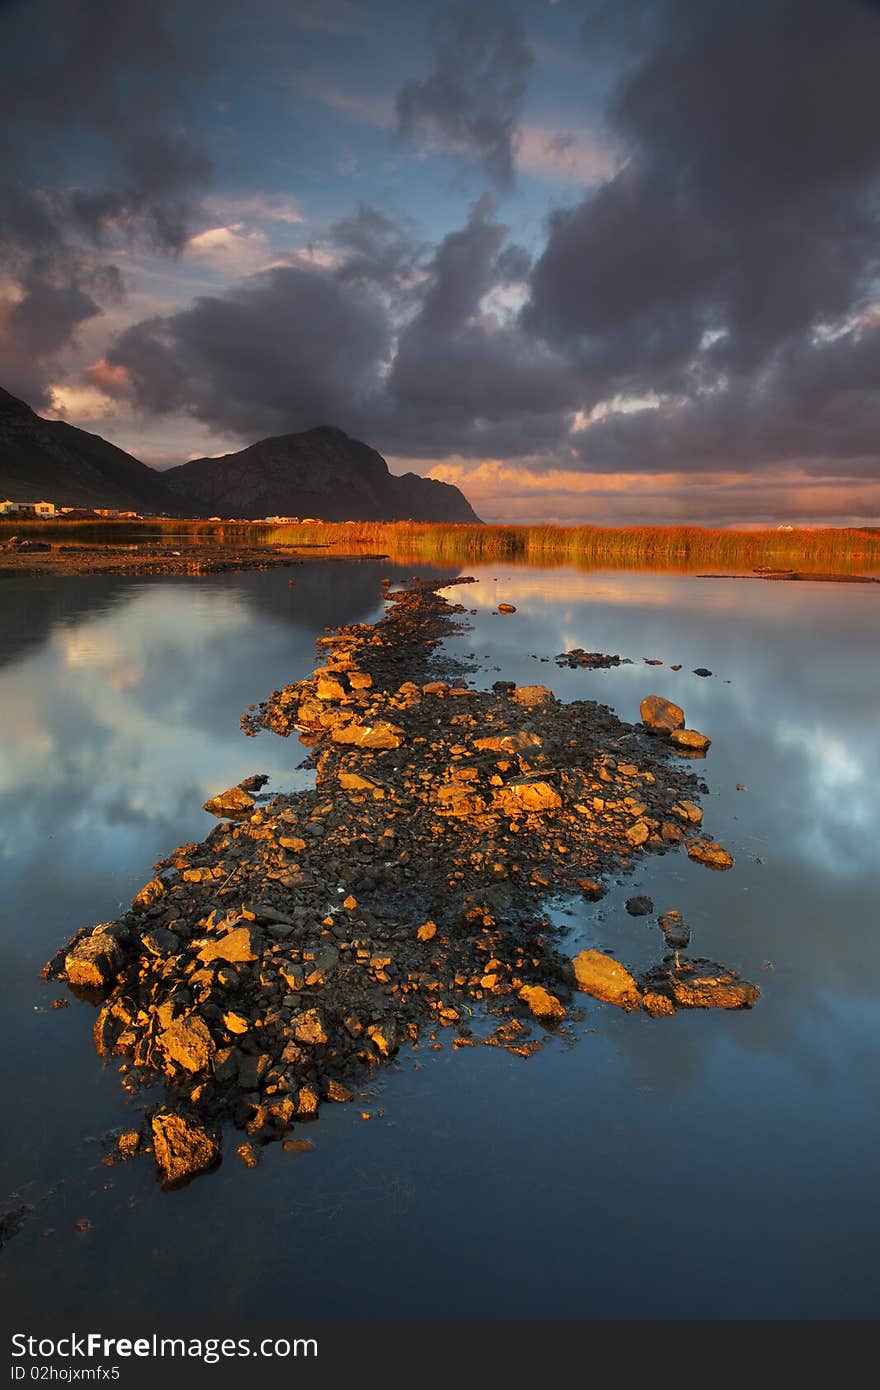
688,548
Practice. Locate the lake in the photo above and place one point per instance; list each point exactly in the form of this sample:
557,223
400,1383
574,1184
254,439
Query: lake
710,1165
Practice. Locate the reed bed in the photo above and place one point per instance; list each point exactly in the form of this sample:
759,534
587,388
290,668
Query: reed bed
837,550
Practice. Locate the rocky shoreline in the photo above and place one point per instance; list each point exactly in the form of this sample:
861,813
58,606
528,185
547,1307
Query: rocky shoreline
273,967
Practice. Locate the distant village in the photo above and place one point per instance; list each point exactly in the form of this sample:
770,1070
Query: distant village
28,510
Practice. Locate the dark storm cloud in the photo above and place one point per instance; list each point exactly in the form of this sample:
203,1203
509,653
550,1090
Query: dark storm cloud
375,250
472,100
458,369
93,100
300,346
742,225
816,407
288,349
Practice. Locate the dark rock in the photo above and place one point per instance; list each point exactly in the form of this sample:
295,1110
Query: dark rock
639,906
675,930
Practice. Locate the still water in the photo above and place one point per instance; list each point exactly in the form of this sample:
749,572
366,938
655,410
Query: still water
706,1166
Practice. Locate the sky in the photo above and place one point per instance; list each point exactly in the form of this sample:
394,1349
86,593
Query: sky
591,260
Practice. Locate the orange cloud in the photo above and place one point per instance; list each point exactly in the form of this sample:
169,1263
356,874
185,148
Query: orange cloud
502,492
112,381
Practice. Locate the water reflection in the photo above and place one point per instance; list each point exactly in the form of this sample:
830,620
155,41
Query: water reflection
638,1164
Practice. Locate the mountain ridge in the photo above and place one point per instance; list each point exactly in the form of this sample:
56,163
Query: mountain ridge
321,472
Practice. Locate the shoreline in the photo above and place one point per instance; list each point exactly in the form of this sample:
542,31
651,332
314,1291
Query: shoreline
275,966
180,560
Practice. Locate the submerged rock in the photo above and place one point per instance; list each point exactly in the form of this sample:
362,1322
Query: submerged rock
639,906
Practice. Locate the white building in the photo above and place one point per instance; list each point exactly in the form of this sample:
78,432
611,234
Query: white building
29,508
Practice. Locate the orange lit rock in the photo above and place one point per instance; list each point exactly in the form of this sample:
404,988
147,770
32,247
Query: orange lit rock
378,735
183,1146
661,715
690,738
544,1005
605,978
710,853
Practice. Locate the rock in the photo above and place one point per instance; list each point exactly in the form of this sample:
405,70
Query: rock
150,893
128,1143
661,716
520,742
307,1103
530,796
506,608
160,942
701,984
676,931
701,671
233,804
12,1219
544,1005
354,782
383,1036
427,931
639,906
530,695
235,1023
605,978
710,853
188,1042
237,946
249,1155
689,811
309,1027
378,735
591,890
657,1005
329,688
336,1091
183,1146
690,738
638,833
94,961
360,680
255,782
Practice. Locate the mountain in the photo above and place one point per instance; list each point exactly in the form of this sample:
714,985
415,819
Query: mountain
321,473
49,460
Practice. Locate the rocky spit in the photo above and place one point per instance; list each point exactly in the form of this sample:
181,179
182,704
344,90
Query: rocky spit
273,967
